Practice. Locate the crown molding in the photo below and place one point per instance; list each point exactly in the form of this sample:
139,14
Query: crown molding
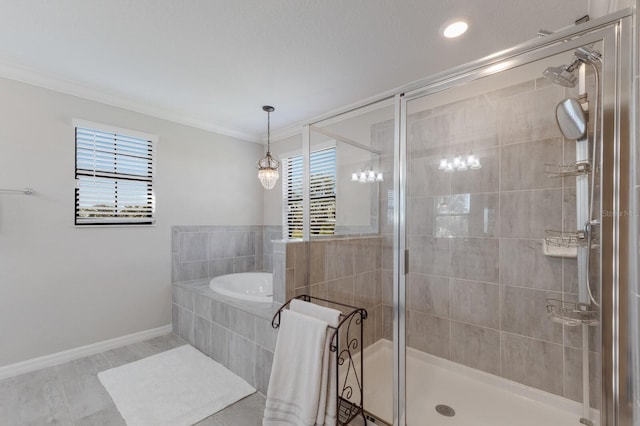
65,86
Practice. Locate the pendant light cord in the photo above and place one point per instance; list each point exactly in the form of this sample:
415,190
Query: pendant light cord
268,132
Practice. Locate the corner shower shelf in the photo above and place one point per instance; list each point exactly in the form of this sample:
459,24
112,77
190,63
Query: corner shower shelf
571,313
565,239
565,170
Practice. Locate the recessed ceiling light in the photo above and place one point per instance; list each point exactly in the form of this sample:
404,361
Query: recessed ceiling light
454,28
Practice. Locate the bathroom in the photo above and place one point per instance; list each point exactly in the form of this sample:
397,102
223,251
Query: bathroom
449,265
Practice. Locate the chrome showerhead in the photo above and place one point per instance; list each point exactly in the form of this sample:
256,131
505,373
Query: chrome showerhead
561,75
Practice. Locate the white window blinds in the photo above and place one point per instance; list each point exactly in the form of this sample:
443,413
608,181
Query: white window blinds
114,178
322,193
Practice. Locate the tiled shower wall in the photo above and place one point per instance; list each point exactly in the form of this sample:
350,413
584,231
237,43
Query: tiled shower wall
289,269
200,252
348,270
478,281
345,270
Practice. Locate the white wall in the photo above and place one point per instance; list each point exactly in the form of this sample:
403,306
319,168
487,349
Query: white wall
61,286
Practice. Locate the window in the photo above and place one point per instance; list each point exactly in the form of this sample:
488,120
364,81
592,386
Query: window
322,193
114,177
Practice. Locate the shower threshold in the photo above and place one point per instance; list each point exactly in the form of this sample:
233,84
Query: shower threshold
475,398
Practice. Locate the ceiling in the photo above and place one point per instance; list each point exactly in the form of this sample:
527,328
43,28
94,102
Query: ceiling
214,63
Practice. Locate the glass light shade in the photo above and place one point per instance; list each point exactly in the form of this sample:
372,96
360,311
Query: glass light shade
379,177
354,177
268,177
471,159
371,176
443,164
476,164
462,166
449,167
268,171
456,161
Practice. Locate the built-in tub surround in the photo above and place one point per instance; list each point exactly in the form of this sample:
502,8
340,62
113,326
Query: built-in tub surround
238,333
234,332
200,252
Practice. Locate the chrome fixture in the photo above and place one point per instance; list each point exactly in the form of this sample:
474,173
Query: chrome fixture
576,168
25,191
460,163
573,123
367,175
563,75
268,166
571,119
572,314
445,410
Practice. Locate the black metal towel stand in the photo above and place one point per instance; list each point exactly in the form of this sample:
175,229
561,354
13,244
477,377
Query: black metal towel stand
346,408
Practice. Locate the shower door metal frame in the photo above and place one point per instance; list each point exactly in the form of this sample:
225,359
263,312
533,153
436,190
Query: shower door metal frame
615,32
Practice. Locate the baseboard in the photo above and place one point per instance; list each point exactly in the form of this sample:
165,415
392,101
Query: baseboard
34,364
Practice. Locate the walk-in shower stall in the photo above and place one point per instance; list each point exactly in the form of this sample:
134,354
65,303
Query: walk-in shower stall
485,218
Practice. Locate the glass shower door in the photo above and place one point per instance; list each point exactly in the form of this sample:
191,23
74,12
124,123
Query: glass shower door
351,245
499,326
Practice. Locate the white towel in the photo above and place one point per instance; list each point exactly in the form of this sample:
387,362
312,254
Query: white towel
296,375
328,392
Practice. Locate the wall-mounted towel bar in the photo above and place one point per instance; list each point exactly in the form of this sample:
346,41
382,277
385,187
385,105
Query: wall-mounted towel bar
26,191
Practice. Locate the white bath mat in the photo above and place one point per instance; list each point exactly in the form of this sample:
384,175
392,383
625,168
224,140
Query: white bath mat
178,387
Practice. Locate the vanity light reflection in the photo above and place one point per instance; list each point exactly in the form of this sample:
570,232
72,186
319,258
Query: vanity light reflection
367,176
460,163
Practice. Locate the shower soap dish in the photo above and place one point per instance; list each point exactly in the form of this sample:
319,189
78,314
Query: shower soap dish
565,170
563,244
571,313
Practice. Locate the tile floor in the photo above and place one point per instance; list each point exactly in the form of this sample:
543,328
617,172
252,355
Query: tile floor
71,393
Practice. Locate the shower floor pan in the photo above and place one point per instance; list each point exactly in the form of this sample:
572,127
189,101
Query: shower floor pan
477,398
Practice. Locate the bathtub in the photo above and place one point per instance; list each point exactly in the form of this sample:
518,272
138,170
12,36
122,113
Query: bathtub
253,286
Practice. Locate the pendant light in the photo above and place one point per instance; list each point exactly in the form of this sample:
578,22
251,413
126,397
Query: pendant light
268,166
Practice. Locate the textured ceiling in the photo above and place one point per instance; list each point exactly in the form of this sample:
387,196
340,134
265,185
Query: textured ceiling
214,63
